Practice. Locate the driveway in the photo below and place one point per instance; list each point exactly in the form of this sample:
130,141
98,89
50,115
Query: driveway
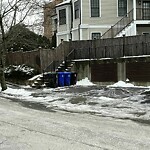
23,128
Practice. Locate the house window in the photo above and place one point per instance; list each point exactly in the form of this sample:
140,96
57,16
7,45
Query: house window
96,36
55,23
62,16
122,8
146,33
76,9
146,10
95,12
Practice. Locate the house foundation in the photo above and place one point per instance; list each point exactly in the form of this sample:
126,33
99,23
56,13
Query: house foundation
121,71
108,73
83,68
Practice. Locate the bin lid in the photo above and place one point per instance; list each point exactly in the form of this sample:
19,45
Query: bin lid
60,72
67,72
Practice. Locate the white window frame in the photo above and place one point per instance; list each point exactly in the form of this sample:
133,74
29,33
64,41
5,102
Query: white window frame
118,10
145,33
59,16
74,8
96,32
99,9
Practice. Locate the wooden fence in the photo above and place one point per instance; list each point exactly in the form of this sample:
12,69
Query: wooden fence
47,60
40,59
31,58
110,48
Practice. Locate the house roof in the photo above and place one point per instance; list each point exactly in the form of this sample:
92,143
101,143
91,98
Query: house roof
64,3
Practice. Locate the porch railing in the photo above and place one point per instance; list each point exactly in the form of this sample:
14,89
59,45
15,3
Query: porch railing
119,26
143,13
52,66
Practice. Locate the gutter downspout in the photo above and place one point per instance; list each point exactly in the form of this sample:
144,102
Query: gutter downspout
80,22
134,10
134,15
71,19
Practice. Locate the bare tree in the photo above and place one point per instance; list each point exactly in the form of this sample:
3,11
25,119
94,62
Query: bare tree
36,24
13,12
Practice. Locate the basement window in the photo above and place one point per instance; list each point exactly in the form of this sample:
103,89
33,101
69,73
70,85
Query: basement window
96,36
146,33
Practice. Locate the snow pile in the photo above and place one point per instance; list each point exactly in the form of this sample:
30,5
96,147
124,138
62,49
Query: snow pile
121,84
84,82
17,92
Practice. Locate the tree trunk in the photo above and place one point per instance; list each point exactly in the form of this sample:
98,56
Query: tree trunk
2,57
2,80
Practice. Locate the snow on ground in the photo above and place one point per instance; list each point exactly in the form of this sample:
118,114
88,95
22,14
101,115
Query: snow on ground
84,82
121,84
35,77
121,100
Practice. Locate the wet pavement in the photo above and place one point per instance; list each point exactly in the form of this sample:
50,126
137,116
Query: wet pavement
23,128
75,118
117,102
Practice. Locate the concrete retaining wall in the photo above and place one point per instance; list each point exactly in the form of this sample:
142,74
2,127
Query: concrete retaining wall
84,69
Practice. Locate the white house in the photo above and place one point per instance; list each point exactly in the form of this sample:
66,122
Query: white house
94,19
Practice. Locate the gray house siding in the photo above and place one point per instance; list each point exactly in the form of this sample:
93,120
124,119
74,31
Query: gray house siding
83,27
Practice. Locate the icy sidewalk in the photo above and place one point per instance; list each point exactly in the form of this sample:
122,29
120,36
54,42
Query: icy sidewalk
120,100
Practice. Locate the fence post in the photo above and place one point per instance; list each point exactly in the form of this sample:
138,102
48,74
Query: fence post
146,47
89,53
112,33
95,48
105,49
70,49
54,66
123,45
73,54
143,49
121,71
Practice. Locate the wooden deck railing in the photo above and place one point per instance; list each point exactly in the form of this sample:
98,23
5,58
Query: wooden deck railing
110,48
143,13
119,26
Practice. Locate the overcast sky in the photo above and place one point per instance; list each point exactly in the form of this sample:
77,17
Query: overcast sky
34,19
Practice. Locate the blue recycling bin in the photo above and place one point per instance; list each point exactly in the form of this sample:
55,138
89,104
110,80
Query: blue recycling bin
61,79
67,78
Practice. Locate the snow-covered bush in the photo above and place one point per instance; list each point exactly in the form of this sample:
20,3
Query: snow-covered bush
20,71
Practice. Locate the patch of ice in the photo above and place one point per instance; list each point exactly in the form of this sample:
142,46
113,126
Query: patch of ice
84,82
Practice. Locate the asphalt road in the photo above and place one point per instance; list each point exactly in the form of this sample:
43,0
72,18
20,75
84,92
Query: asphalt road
23,128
